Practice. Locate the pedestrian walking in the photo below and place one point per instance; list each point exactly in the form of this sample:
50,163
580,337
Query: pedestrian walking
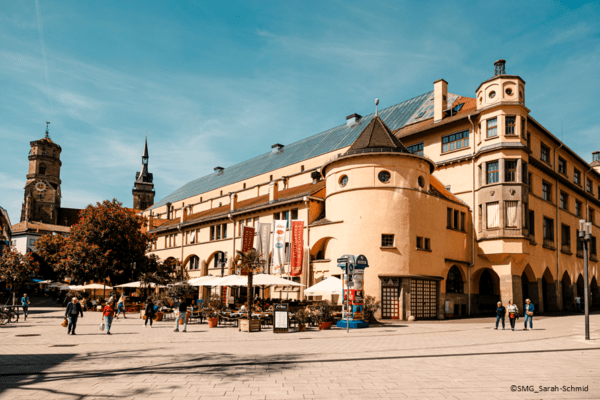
513,313
578,303
107,315
25,305
72,312
121,306
500,313
182,306
529,309
149,314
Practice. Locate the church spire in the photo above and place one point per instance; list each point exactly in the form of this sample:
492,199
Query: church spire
143,190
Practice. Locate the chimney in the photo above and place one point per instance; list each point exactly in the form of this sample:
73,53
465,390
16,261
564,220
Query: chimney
440,95
168,210
353,119
233,201
316,176
219,170
273,191
500,67
277,147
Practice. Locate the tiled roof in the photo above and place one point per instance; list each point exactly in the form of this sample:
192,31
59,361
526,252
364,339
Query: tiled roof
283,195
377,135
40,227
468,108
441,189
333,139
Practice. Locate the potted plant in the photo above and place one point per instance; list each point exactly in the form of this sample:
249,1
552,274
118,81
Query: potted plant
302,317
249,263
212,310
324,311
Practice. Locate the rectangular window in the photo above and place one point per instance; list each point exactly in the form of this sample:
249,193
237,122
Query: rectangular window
545,153
589,186
565,237
593,248
480,217
578,205
546,191
523,127
419,243
456,221
493,215
492,127
529,180
462,221
387,240
224,231
511,214
449,218
455,141
564,201
509,128
492,172
591,215
529,140
525,173
277,216
577,176
427,244
510,170
218,231
562,166
416,149
548,229
531,223
294,214
212,233
579,244
285,215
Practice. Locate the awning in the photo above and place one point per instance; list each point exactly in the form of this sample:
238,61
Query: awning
94,286
138,284
327,286
272,280
202,281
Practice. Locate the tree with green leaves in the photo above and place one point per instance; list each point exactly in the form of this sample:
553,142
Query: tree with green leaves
48,253
155,271
17,268
104,244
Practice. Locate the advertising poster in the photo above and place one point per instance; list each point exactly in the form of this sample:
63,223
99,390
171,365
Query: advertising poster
279,228
297,247
263,245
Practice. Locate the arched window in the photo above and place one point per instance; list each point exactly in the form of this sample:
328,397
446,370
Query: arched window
454,281
219,258
194,262
42,169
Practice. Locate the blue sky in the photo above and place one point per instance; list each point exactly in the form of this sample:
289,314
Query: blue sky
215,83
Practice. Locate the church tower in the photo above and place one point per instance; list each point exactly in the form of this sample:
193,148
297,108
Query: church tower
143,188
42,190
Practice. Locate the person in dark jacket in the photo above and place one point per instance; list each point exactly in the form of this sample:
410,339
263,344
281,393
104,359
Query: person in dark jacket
500,313
149,312
182,306
72,312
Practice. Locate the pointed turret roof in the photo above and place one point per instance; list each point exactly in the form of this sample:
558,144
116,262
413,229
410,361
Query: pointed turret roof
377,135
145,148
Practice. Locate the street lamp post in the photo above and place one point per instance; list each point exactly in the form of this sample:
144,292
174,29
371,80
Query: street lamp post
585,235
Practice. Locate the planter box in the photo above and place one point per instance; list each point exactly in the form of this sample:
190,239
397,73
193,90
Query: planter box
324,325
212,322
252,325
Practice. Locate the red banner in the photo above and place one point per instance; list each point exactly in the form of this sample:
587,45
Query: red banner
247,239
297,247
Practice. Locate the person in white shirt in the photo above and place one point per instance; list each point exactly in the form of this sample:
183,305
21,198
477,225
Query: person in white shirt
513,313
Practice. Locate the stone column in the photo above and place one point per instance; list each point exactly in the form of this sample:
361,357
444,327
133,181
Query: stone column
405,289
517,292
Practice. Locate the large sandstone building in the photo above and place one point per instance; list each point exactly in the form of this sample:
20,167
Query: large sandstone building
456,201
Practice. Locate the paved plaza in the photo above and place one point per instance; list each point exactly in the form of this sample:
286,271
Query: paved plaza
464,359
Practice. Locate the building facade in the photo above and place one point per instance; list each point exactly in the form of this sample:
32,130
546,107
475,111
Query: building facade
457,202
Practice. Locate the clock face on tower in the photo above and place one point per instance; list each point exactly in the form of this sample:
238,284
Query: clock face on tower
40,186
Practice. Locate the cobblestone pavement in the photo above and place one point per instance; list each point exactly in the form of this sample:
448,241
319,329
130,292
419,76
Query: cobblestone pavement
436,360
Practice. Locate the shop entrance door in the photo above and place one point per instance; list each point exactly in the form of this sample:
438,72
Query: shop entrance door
390,303
423,298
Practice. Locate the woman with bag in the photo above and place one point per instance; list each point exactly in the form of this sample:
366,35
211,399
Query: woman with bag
513,313
107,316
149,313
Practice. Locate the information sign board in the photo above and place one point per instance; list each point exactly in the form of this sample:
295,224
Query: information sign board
281,318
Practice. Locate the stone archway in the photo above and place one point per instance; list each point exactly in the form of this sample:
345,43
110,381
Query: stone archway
567,291
580,288
487,283
595,293
547,300
529,288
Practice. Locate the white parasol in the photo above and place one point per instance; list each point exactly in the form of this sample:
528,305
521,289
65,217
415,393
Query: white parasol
327,286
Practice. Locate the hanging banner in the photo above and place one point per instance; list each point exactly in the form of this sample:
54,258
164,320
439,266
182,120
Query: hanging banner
297,239
247,239
279,228
263,245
